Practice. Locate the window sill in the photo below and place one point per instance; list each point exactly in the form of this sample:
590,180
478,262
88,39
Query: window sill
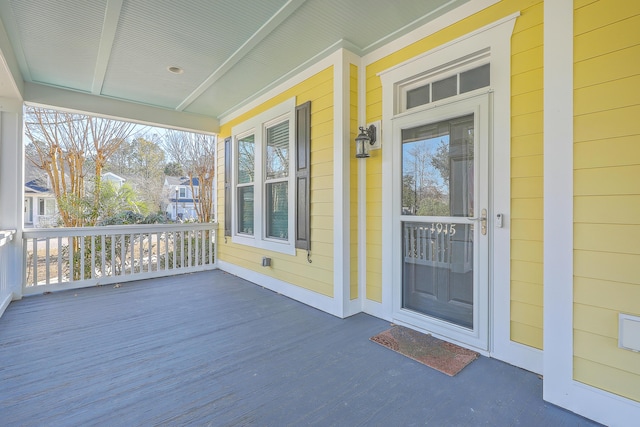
283,247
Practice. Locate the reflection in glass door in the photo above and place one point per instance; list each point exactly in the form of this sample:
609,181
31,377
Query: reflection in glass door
438,195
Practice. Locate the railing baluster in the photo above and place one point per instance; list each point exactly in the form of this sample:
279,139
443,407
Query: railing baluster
59,259
196,246
189,253
103,250
71,256
158,246
112,266
141,253
182,249
212,248
35,261
93,257
47,271
166,250
175,249
122,255
82,253
203,246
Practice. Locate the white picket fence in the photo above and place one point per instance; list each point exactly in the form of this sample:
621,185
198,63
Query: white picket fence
68,258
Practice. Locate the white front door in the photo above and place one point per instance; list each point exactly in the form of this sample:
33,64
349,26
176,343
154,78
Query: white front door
441,238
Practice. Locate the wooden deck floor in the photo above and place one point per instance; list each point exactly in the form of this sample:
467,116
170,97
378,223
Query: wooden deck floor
212,349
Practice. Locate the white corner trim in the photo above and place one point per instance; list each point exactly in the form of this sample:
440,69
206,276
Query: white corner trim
559,386
305,296
341,216
558,201
520,355
376,309
11,105
431,27
362,193
350,306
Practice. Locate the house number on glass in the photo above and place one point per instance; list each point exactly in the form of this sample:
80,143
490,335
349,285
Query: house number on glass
438,227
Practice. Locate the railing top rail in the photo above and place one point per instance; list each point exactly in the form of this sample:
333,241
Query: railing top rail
116,229
6,236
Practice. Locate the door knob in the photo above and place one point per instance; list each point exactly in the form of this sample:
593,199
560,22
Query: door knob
483,221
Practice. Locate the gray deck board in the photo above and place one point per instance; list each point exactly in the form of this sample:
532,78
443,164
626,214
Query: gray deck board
212,349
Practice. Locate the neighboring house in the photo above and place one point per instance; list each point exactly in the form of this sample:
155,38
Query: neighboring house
181,203
499,208
40,208
114,179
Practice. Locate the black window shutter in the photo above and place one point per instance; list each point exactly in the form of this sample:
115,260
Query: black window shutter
303,175
227,186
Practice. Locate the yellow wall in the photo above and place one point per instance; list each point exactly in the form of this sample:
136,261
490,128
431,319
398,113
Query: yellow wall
606,191
526,163
526,177
317,276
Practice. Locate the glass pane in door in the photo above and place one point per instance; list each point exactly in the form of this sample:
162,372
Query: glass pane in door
438,181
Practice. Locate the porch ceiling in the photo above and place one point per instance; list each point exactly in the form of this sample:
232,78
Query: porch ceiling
230,51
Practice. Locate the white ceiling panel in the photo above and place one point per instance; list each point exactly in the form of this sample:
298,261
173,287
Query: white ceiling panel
300,38
60,40
230,50
197,36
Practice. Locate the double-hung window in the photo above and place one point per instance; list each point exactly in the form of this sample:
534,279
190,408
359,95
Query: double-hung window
263,204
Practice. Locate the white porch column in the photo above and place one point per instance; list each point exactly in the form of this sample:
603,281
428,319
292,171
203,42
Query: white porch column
11,194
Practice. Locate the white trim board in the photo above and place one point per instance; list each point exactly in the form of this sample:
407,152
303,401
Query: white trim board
559,386
5,303
432,27
305,296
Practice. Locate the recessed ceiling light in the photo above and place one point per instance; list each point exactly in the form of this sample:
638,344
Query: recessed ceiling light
175,70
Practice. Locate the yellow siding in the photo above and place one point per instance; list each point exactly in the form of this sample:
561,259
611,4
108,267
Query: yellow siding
606,191
317,276
526,162
526,177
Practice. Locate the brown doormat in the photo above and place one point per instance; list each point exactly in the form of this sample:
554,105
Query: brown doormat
445,357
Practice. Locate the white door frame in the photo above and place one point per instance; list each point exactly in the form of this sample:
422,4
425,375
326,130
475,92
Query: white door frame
477,105
495,38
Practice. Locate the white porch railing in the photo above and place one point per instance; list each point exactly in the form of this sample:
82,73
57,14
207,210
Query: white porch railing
5,290
68,258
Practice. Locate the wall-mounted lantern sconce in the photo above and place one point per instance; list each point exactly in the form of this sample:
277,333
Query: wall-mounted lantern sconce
365,140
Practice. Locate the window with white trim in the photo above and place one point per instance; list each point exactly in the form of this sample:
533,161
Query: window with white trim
263,184
464,75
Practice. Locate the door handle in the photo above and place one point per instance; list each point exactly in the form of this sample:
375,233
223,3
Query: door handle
483,221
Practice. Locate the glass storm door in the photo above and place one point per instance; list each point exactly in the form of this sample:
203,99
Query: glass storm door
442,222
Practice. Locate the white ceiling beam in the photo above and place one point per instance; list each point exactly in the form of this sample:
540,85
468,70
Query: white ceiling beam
64,99
109,27
280,16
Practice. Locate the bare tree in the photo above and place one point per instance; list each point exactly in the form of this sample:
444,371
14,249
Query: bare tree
196,153
64,145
